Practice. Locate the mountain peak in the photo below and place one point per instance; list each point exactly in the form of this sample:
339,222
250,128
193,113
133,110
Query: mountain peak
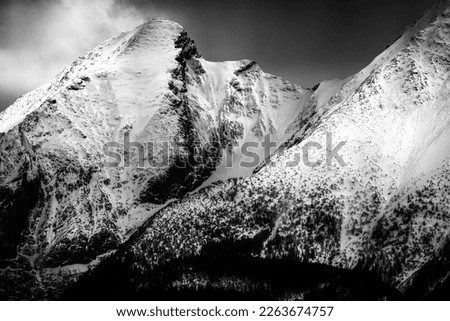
162,24
149,85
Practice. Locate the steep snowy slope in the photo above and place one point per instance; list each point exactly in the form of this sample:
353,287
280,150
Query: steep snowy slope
332,93
384,209
66,198
247,105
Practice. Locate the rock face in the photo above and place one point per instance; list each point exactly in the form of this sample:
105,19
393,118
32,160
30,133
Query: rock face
364,210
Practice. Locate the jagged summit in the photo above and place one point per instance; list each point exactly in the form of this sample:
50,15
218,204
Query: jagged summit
151,41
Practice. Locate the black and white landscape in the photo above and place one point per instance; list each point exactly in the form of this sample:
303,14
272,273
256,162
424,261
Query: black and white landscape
144,171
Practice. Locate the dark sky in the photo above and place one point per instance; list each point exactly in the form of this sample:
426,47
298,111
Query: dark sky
304,41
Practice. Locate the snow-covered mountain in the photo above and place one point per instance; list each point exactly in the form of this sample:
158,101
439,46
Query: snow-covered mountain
374,225
63,206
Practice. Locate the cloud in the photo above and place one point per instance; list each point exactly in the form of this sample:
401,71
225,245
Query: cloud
39,38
